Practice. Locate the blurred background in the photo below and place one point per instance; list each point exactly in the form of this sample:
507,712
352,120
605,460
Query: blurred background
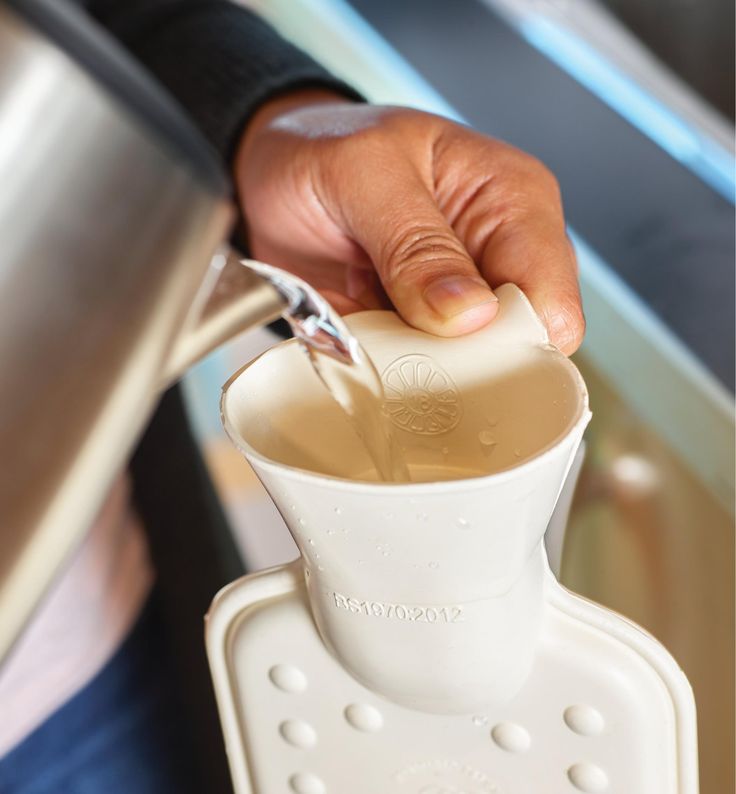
631,104
694,39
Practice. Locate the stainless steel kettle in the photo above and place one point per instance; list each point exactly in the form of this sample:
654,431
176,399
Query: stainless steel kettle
111,208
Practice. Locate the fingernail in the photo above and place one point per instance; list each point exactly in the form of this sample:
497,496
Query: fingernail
457,294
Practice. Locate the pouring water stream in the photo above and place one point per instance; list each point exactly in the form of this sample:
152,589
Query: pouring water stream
342,365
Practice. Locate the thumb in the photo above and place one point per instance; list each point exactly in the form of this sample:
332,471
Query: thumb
424,268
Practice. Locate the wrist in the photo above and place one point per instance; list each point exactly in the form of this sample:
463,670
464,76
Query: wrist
276,107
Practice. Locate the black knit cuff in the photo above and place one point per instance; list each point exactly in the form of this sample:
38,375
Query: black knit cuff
221,62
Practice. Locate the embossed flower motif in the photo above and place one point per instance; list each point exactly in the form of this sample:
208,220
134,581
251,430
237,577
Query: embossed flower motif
420,396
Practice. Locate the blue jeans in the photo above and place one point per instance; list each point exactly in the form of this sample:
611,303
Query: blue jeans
122,734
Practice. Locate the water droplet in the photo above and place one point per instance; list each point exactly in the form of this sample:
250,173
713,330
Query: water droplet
330,531
555,402
338,511
302,521
491,421
463,523
361,562
486,438
388,516
320,568
517,453
311,541
434,565
445,450
293,507
422,517
386,553
479,720
487,442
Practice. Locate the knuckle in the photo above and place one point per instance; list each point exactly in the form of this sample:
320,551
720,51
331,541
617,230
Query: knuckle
536,173
420,252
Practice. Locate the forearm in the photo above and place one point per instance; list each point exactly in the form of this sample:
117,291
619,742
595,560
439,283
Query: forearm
219,60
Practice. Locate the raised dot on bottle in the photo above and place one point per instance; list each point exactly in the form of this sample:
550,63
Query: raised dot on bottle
511,737
588,778
363,717
584,720
306,783
298,734
288,678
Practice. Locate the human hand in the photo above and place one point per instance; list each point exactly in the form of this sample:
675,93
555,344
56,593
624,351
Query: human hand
377,204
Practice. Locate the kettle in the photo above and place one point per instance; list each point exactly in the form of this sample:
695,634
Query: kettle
112,213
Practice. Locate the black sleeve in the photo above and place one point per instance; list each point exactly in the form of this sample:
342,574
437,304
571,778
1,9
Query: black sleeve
218,59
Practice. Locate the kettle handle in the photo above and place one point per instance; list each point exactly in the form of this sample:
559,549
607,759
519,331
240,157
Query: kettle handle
231,300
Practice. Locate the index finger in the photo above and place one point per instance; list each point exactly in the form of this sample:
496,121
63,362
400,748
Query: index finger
515,232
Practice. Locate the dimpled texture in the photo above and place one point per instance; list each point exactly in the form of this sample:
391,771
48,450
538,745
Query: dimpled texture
306,783
588,778
288,678
364,718
298,733
584,720
511,737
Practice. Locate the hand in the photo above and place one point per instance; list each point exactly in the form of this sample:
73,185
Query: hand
371,204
